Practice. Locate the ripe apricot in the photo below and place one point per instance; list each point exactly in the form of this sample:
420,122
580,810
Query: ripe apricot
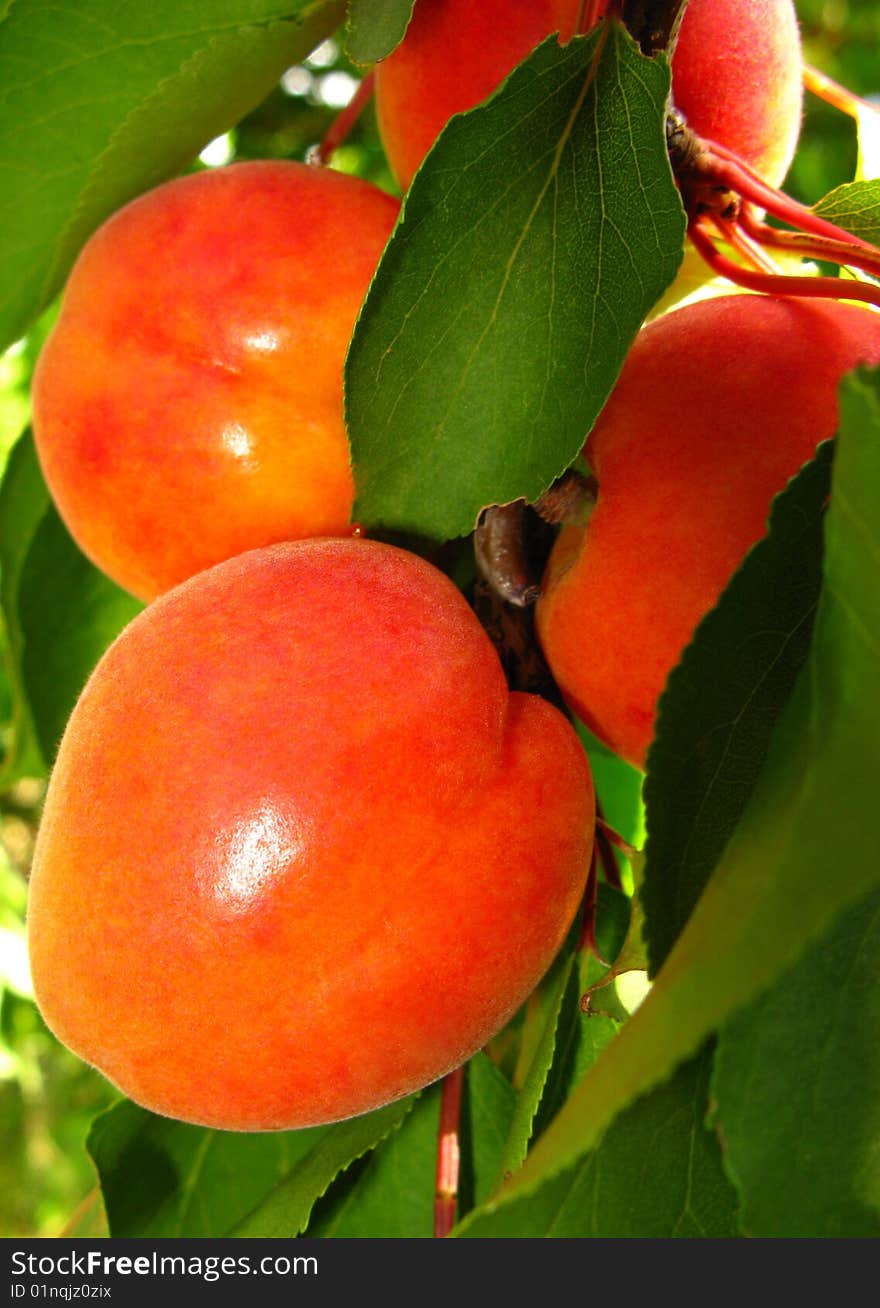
718,404
454,55
188,403
737,76
736,72
302,850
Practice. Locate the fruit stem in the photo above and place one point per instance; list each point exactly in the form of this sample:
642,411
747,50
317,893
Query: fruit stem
809,246
732,173
607,831
343,123
826,288
825,88
739,239
448,1153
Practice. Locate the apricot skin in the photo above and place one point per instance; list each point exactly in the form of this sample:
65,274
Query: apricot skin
736,72
302,851
454,54
188,403
718,405
738,79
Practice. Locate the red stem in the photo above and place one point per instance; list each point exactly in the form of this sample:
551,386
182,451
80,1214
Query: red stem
737,176
737,237
448,1153
615,838
826,288
809,246
344,121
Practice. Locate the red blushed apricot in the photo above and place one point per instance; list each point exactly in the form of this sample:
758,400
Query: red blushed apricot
302,851
736,72
737,76
188,403
454,54
718,405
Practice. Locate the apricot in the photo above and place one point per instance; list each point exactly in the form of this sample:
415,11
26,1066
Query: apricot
718,405
737,76
302,851
736,72
188,403
454,54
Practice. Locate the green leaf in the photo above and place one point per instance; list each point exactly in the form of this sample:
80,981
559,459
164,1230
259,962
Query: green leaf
487,1111
631,956
533,241
99,101
191,1181
795,1089
657,1175
554,991
391,1194
23,501
721,702
580,1038
68,614
286,1210
559,1039
805,848
855,207
375,27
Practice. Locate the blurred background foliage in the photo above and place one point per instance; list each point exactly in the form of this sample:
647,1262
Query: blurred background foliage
48,1097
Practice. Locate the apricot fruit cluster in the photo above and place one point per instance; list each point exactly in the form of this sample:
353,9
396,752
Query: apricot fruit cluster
303,851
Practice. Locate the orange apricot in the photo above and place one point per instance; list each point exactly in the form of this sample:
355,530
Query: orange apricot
454,55
188,403
718,405
302,852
